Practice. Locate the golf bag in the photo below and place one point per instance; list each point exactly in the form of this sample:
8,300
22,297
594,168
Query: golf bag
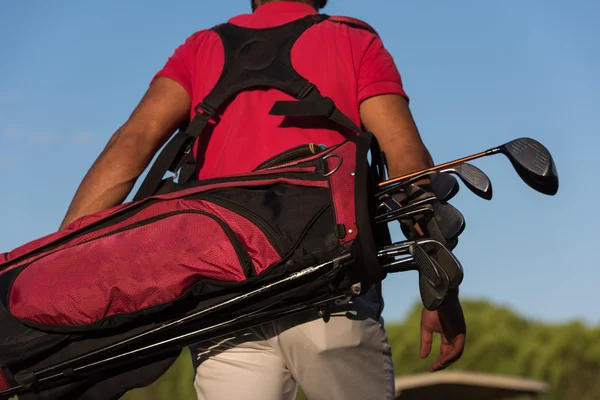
184,247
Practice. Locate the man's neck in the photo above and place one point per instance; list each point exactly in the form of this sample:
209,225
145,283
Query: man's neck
310,3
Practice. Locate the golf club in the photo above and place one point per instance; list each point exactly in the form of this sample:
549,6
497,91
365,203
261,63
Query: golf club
433,281
451,222
444,257
444,186
474,178
530,159
401,214
394,203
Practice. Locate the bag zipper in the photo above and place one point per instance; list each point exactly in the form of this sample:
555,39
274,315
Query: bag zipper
243,256
71,236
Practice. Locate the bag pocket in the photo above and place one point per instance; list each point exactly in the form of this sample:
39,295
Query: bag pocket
284,213
130,270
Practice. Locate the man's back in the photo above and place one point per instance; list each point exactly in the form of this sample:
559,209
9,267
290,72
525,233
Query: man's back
347,64
342,357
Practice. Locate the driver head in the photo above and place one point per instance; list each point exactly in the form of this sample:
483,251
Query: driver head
534,164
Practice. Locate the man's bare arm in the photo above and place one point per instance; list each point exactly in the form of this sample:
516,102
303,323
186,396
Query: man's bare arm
131,148
389,118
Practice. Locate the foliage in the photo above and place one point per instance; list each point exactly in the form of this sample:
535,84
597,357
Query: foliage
565,356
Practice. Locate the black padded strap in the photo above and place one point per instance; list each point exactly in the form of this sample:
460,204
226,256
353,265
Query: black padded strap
256,58
172,156
174,151
315,104
378,161
188,168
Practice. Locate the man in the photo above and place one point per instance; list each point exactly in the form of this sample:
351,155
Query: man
347,357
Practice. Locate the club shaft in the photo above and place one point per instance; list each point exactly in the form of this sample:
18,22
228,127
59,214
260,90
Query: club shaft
403,178
194,316
400,214
402,211
404,265
408,207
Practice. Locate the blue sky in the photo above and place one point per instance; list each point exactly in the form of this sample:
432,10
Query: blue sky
479,74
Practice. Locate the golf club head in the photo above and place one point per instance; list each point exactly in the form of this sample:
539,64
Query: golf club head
450,221
447,261
534,164
444,186
475,179
433,281
442,260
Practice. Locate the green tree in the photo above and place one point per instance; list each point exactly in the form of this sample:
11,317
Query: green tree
566,356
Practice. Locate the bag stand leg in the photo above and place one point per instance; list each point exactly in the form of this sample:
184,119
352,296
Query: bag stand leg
89,364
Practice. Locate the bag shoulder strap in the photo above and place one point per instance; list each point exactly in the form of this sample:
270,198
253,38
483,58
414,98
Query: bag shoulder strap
254,58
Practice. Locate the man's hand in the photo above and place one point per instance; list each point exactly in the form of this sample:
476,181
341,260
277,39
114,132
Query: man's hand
449,322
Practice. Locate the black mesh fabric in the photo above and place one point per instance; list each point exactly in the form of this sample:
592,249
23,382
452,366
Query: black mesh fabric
286,209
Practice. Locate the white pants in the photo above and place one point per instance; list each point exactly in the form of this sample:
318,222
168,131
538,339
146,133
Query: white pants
346,358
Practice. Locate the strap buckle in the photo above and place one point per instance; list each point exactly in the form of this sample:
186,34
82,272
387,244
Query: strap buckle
308,89
205,109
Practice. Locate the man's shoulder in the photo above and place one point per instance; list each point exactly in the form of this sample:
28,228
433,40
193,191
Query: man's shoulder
352,22
199,35
195,40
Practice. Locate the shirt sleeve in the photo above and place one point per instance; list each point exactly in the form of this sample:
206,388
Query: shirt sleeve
377,72
181,65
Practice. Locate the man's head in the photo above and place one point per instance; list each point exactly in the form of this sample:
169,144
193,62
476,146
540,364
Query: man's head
318,4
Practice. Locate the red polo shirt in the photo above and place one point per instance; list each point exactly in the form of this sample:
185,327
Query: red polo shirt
347,64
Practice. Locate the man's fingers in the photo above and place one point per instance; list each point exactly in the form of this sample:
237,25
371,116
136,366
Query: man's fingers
449,354
426,340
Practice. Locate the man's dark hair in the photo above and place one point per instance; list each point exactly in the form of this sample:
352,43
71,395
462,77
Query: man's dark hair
318,4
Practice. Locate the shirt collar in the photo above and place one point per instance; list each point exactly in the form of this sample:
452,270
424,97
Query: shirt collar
285,7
